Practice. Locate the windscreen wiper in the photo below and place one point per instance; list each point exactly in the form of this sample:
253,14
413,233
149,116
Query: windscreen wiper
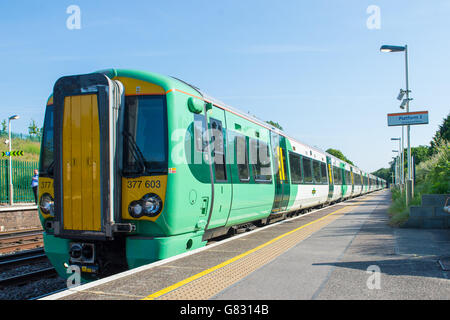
137,153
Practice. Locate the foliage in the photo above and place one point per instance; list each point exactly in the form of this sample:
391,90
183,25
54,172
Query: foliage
338,154
33,129
420,154
433,175
443,134
4,126
399,211
275,124
383,173
30,148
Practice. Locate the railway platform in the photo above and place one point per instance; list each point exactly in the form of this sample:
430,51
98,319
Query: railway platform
345,251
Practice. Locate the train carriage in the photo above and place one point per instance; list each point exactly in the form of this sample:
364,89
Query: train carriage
136,167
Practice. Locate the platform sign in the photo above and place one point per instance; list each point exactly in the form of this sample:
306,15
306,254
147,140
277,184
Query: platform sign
407,118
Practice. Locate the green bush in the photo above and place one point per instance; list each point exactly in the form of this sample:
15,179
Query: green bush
433,175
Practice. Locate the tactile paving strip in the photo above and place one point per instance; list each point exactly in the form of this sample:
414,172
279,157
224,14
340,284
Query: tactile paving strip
212,281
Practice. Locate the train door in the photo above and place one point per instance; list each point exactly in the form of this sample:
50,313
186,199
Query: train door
282,186
221,171
86,160
352,180
331,181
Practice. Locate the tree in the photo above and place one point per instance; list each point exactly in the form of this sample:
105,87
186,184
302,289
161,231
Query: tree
3,126
338,154
384,173
33,129
420,153
442,134
275,124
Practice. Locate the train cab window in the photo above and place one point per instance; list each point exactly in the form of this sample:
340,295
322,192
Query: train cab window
323,169
46,159
242,158
307,170
294,163
145,135
260,160
316,171
219,150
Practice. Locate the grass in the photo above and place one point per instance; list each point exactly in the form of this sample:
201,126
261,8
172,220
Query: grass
31,149
432,177
399,211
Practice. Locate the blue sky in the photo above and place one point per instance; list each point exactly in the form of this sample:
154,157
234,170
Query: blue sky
312,66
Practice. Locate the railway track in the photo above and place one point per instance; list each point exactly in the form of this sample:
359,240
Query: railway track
10,261
29,276
20,240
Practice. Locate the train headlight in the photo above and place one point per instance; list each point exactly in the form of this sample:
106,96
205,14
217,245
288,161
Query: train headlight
152,204
149,205
47,204
135,209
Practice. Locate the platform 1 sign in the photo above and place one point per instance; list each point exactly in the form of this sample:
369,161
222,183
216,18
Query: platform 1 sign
407,118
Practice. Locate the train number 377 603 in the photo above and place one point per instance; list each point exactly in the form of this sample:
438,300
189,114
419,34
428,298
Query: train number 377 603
151,184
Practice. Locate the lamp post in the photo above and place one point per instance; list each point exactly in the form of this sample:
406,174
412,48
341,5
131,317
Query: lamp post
402,164
395,171
11,194
409,185
398,164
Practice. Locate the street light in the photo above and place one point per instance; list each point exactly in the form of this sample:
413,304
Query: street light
11,195
395,169
402,164
389,48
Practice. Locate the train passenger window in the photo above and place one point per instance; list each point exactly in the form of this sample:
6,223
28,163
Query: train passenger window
337,175
219,150
348,180
46,165
260,160
242,158
323,169
294,163
199,132
316,171
307,170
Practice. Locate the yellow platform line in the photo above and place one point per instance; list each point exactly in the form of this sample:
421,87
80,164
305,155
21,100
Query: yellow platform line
177,285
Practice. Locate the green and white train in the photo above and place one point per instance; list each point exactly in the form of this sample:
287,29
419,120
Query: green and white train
136,167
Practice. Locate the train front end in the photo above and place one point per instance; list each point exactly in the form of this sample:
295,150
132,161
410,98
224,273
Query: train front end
103,173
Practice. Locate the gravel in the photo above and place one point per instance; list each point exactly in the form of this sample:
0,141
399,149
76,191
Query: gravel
33,289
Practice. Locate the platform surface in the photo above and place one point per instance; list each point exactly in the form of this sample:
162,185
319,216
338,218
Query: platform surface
346,251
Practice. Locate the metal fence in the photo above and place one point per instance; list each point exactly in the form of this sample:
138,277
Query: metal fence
22,171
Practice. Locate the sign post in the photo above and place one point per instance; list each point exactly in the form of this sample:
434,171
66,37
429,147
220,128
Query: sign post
408,119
